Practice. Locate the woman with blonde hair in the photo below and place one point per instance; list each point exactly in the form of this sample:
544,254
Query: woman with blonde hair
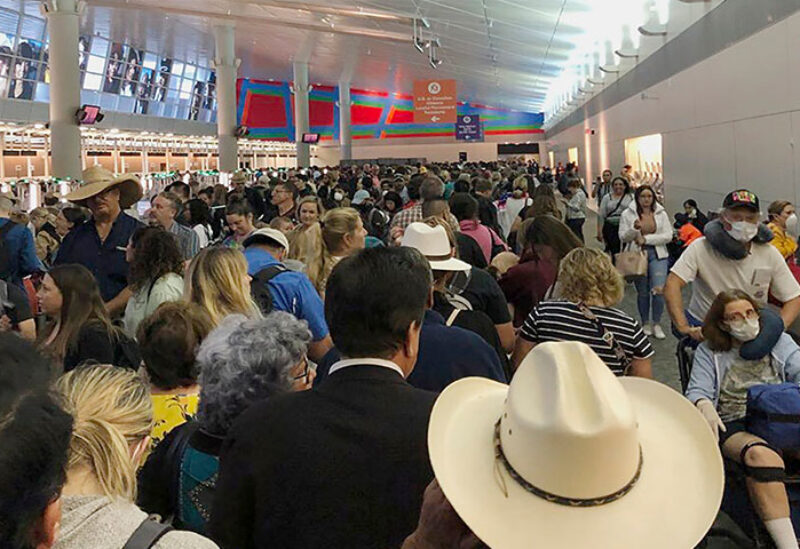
305,241
510,209
590,287
217,281
113,417
343,234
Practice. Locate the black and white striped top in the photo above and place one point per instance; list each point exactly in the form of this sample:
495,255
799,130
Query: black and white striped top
563,321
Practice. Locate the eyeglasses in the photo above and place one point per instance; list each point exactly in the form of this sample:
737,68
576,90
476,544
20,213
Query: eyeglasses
306,370
749,315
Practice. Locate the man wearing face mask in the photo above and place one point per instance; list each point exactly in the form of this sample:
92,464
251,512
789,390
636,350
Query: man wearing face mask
783,224
735,254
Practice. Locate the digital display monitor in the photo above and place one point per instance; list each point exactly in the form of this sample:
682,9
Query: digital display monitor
311,138
89,114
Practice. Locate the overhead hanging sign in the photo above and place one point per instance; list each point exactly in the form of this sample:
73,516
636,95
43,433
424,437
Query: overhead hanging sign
434,101
468,127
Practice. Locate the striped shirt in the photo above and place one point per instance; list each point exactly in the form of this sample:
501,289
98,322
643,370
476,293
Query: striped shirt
563,321
188,242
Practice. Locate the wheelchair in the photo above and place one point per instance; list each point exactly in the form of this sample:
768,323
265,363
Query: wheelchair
735,500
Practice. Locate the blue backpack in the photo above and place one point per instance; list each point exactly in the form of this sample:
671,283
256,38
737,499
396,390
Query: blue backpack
773,413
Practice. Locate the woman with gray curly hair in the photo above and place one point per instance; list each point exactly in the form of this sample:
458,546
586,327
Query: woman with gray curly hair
244,360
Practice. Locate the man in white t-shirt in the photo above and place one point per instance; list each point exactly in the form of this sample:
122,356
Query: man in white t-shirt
738,257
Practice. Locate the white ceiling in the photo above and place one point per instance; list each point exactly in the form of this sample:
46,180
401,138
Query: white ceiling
506,53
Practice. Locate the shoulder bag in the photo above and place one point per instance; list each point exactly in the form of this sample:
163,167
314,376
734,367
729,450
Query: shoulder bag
631,264
608,337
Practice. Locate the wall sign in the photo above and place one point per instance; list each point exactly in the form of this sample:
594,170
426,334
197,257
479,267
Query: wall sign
435,101
468,127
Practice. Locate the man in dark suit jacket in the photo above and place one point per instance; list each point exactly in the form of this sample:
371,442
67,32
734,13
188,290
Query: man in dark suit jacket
344,465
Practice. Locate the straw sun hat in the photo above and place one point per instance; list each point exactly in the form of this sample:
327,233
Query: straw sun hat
570,456
97,179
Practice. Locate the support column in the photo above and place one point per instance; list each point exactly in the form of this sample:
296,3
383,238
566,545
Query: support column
65,90
345,137
46,156
226,66
301,113
2,156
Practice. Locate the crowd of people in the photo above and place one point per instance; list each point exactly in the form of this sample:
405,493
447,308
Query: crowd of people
321,357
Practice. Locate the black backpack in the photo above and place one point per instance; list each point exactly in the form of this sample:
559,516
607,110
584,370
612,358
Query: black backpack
259,287
5,254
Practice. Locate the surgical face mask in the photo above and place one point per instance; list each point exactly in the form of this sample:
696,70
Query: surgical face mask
792,226
744,330
338,197
743,231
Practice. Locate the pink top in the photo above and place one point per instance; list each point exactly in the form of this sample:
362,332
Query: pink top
483,235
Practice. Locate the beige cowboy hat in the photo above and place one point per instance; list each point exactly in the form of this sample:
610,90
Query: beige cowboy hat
570,456
97,179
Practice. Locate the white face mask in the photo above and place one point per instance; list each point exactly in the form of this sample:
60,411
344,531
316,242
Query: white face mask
744,330
338,197
743,231
792,226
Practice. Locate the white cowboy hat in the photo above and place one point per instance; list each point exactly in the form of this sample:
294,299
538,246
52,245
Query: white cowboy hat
97,179
570,456
268,235
433,243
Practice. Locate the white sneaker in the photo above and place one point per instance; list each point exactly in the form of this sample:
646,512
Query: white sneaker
647,329
658,332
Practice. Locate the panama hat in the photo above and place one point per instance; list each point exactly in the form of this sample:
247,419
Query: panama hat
433,243
570,456
97,179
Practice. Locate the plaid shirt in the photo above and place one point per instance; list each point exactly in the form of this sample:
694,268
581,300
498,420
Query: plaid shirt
188,241
413,214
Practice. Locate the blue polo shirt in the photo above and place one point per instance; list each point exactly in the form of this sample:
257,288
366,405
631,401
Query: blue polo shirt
291,292
106,260
22,260
446,354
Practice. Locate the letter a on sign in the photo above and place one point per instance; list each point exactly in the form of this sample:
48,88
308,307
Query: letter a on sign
435,101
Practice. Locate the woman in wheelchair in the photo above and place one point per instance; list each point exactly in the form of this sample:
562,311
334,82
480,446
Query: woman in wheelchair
718,386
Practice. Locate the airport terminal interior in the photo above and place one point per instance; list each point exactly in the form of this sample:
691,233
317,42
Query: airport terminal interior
409,274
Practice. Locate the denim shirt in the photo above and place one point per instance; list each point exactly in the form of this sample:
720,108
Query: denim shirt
709,368
106,260
291,292
21,253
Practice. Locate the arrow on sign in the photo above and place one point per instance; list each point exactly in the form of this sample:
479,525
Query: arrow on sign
435,119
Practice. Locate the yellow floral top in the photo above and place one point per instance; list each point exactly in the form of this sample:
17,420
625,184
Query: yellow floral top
785,244
169,411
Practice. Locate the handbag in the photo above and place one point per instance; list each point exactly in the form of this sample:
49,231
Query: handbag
773,413
631,264
608,337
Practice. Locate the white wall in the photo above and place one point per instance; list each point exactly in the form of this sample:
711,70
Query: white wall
434,150
731,121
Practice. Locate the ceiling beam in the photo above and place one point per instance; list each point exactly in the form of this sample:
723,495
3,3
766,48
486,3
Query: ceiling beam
251,19
361,13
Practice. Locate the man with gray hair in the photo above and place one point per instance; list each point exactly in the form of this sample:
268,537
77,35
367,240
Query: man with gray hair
431,188
17,250
166,208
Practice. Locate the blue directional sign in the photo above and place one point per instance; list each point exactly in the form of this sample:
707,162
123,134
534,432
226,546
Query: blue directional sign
468,127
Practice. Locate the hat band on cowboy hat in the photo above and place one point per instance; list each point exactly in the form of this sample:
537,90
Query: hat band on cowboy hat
555,498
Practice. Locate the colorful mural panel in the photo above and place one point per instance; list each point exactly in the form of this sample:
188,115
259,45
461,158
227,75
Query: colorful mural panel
267,109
